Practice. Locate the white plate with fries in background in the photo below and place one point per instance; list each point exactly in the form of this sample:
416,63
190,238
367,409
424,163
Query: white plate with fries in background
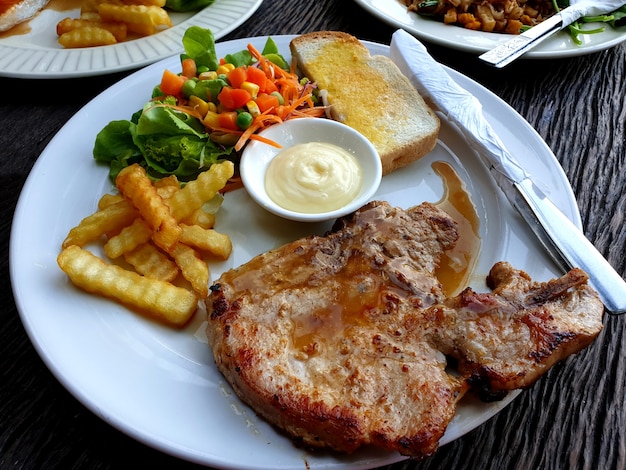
159,384
559,45
31,50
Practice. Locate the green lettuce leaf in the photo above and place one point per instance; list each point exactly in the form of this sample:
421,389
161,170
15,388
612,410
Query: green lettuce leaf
199,44
187,5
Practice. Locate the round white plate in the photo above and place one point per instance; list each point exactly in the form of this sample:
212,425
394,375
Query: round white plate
455,37
37,54
160,385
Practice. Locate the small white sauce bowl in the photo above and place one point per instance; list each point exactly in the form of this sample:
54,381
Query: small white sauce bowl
257,156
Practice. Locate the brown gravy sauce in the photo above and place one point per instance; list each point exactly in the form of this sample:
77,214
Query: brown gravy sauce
355,304
458,264
364,293
56,5
17,30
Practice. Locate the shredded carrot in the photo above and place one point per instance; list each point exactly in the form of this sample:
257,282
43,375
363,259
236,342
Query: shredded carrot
297,102
260,138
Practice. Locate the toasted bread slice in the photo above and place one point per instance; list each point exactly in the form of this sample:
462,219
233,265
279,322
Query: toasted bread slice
370,94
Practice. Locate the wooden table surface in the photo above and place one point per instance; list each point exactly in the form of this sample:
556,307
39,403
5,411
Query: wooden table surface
574,417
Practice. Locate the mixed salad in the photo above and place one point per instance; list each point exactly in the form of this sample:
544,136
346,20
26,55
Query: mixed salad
208,111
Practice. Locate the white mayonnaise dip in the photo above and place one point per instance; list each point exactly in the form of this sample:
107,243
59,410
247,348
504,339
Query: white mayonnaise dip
313,177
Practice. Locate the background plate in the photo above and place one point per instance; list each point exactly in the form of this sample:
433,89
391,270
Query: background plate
160,385
37,54
455,37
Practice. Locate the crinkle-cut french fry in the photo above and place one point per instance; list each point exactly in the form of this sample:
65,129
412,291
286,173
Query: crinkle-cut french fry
201,218
195,193
167,236
156,3
149,261
109,199
128,239
118,29
109,220
90,15
140,29
166,187
193,268
135,185
161,300
170,181
91,6
135,14
207,240
89,36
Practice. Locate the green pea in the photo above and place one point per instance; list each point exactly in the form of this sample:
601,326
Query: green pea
244,120
188,88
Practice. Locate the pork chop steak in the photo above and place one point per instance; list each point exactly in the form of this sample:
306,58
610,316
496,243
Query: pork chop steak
344,340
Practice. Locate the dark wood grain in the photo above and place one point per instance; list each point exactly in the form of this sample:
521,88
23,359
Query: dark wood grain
574,417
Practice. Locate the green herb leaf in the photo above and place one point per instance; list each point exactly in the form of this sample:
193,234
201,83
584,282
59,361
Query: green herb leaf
199,44
187,5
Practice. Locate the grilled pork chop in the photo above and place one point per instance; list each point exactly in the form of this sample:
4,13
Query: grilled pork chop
344,340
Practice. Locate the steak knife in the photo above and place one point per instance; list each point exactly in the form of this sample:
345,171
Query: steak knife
563,241
505,53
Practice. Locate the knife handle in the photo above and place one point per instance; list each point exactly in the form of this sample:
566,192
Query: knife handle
568,246
508,51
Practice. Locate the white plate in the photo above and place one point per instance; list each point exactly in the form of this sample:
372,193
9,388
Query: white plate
159,385
37,54
558,46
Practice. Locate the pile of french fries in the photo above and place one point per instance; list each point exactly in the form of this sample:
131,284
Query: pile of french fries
156,237
106,22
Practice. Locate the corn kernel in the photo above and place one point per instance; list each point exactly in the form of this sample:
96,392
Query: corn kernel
253,108
251,88
211,120
197,103
224,69
210,75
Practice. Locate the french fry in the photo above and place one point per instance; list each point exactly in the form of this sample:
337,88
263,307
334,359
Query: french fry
118,17
207,240
167,236
161,300
202,189
201,218
111,219
140,19
166,187
170,181
138,225
88,36
193,268
149,261
135,185
156,3
109,199
128,239
118,29
90,15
